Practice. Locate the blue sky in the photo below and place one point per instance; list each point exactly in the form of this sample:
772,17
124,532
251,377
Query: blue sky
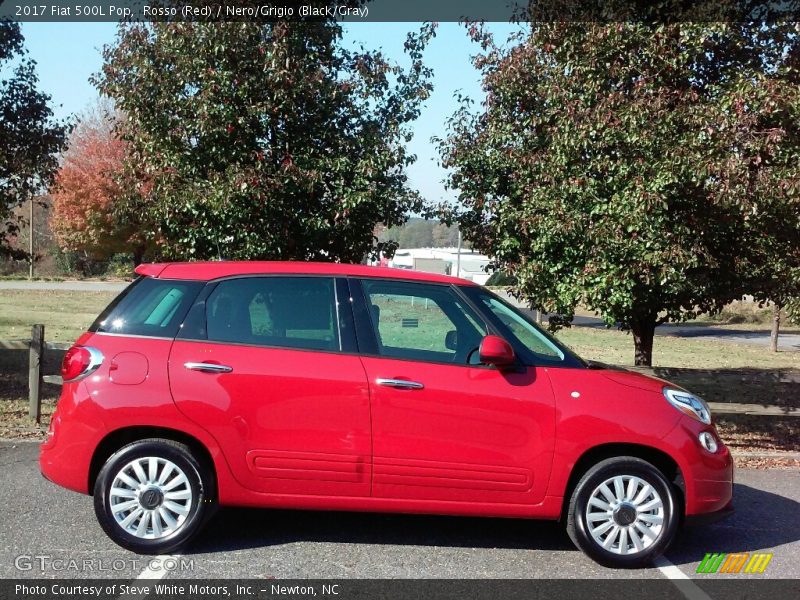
69,53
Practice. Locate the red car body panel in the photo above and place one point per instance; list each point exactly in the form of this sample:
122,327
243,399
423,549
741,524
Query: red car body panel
285,426
309,429
474,433
91,409
206,271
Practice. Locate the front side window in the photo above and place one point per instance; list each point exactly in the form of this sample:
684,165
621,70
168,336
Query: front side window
149,307
537,346
285,312
423,322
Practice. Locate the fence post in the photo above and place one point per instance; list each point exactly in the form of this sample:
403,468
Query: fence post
36,356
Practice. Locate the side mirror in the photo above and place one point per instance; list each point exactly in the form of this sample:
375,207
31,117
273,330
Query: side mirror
451,340
496,351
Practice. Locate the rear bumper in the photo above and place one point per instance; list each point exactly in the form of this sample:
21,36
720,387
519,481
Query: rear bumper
63,469
65,456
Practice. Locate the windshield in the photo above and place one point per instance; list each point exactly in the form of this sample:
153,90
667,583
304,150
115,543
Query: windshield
534,345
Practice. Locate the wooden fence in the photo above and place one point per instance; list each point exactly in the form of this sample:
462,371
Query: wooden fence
36,346
694,379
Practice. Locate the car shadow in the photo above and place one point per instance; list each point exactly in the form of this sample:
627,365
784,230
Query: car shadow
241,528
762,521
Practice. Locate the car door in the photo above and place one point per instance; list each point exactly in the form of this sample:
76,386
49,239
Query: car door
267,366
444,426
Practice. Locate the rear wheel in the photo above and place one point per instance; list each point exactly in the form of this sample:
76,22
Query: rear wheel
623,513
152,496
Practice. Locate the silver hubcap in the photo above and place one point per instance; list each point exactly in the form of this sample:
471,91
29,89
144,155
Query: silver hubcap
625,514
150,498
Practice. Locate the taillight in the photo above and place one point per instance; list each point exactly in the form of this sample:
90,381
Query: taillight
80,361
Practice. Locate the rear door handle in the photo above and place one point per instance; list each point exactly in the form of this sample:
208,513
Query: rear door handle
402,384
207,367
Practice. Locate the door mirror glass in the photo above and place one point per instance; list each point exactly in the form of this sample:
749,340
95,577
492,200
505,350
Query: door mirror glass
496,351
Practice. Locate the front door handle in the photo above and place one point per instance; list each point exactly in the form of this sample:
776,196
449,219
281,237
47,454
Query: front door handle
401,384
207,367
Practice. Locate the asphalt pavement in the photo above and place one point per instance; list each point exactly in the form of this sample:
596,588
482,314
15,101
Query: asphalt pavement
49,532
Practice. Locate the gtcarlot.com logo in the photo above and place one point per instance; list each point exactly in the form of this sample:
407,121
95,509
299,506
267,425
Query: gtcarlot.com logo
48,562
737,562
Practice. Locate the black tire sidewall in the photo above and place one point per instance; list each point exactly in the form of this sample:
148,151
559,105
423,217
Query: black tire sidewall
178,454
578,527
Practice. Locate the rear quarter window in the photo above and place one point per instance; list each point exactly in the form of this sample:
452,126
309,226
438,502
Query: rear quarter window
149,307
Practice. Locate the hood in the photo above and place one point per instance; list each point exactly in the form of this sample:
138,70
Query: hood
639,381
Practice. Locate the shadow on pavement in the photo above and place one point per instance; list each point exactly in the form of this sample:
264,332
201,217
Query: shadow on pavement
237,529
762,521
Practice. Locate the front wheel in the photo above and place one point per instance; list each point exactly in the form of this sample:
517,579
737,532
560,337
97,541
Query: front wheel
623,513
152,496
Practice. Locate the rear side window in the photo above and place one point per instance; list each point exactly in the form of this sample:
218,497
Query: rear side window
149,307
284,312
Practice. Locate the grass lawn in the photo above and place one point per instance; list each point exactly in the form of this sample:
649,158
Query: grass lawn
615,347
64,314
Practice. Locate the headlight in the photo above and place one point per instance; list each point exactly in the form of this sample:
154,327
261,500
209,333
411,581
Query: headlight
689,404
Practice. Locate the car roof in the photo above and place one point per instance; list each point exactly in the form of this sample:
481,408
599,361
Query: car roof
206,271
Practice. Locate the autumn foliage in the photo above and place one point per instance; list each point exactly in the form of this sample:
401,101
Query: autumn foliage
87,186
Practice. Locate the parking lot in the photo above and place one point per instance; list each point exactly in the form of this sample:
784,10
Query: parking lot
48,532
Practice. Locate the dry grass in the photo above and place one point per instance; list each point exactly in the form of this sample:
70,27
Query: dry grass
15,422
743,312
747,433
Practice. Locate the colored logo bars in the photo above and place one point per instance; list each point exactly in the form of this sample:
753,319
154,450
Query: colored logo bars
739,562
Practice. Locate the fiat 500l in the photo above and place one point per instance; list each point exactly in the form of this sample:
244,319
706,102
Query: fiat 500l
345,387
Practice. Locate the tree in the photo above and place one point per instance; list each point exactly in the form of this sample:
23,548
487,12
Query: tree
29,135
597,171
266,141
89,187
445,236
763,125
419,233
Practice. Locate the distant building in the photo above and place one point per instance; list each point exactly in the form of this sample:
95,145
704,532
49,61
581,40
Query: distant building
443,260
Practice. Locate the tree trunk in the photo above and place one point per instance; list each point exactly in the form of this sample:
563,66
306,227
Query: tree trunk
138,255
776,326
643,334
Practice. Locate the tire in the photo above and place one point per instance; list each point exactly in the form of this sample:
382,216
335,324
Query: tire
644,516
145,514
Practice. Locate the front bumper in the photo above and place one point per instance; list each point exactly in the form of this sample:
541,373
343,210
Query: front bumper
710,517
707,477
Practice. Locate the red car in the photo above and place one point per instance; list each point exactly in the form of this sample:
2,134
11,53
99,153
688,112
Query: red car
345,387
